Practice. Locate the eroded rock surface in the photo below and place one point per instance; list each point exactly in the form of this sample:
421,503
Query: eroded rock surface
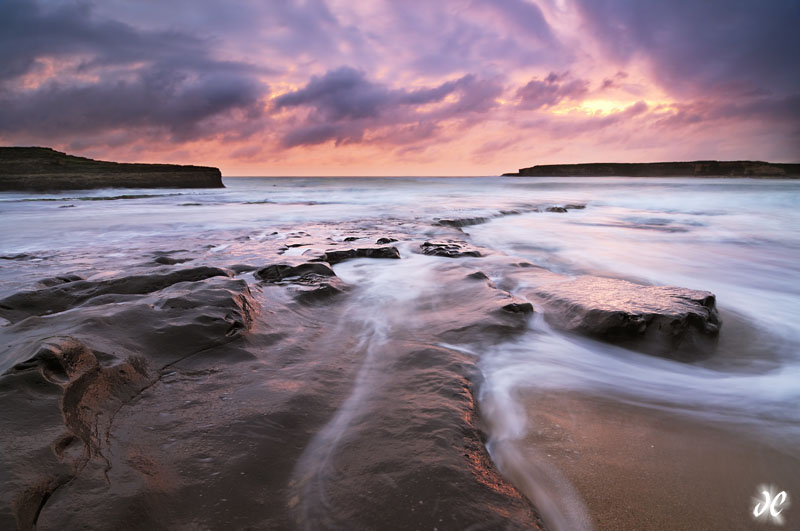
62,279
61,297
336,256
438,480
312,281
156,402
449,248
669,321
62,393
278,272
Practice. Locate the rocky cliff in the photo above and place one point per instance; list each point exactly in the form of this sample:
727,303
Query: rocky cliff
39,168
698,168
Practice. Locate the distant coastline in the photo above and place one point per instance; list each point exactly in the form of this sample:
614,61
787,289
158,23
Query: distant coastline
45,169
697,168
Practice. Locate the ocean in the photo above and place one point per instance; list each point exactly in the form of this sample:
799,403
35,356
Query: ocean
337,396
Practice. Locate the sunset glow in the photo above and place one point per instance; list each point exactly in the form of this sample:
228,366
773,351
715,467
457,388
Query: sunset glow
327,87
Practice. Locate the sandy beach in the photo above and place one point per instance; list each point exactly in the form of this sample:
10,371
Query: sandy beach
639,468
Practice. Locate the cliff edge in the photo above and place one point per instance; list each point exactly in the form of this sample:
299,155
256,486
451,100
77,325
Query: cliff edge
697,168
42,169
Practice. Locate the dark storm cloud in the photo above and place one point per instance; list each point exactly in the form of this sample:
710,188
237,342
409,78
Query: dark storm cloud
345,105
118,76
735,46
166,100
550,91
344,93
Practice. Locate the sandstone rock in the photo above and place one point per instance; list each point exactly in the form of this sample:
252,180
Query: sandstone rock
311,282
65,296
462,222
278,272
168,260
334,257
62,279
518,307
449,249
242,268
668,321
64,395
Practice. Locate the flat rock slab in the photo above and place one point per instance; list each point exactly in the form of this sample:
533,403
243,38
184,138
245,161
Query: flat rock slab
334,257
278,272
666,321
462,222
75,292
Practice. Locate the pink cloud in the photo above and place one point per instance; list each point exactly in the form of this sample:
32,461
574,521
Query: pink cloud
424,87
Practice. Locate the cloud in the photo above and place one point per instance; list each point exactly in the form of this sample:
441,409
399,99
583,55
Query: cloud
551,91
175,102
344,105
291,30
614,82
571,126
451,37
779,112
732,45
340,94
108,75
464,79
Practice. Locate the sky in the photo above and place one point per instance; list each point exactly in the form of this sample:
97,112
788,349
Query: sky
402,87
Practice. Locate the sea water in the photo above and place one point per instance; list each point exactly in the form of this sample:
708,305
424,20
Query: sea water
738,238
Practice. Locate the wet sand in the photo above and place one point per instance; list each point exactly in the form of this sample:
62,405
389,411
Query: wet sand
639,468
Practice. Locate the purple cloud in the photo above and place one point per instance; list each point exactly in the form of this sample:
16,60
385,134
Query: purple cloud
345,104
121,73
694,46
124,77
552,90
